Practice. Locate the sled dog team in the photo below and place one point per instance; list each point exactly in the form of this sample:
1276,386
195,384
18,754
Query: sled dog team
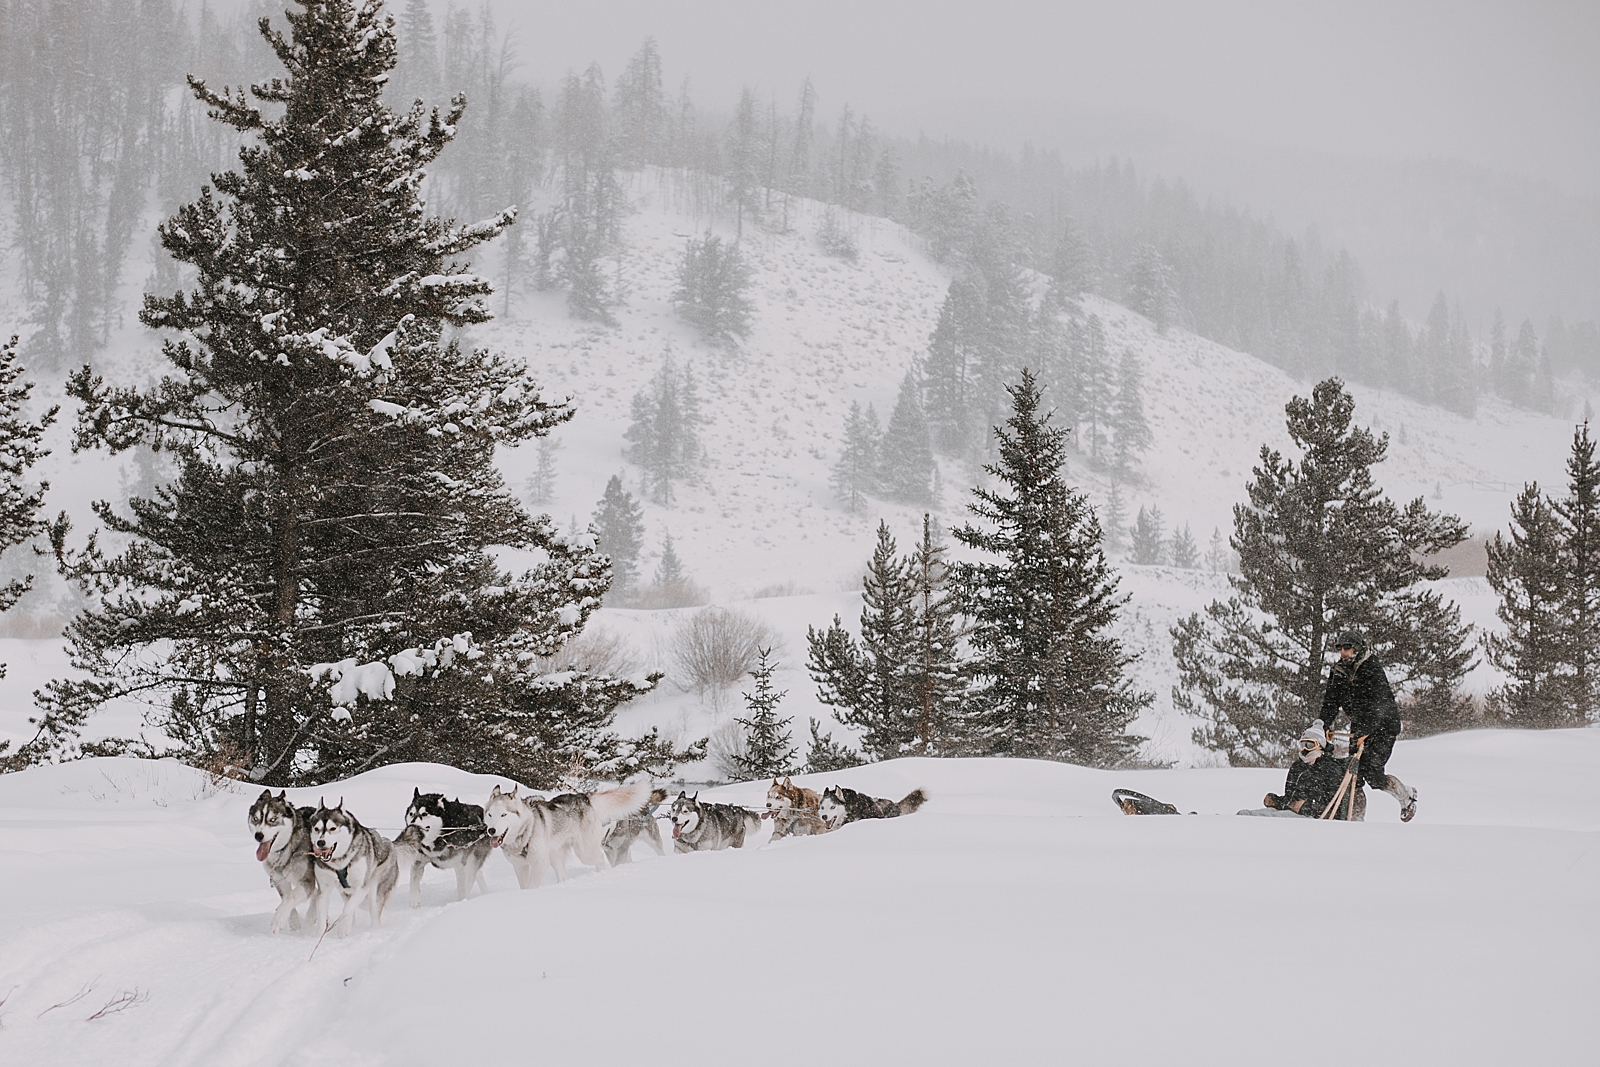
324,857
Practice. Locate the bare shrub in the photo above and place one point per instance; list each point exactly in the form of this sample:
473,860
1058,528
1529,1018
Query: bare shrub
223,766
714,649
597,651
726,747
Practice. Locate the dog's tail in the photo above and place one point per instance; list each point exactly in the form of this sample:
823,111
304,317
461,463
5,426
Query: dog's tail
912,801
752,822
616,803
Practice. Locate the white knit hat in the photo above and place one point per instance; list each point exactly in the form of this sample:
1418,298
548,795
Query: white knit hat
1315,733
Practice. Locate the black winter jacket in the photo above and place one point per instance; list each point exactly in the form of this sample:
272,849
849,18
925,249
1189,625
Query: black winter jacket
1315,783
1361,690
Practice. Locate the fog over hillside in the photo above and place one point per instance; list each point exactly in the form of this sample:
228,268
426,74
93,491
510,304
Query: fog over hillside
791,534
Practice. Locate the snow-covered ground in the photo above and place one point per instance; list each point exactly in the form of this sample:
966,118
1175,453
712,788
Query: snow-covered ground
1017,919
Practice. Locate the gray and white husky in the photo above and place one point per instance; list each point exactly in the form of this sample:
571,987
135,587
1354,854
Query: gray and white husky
641,824
447,834
283,845
354,865
707,827
840,805
535,833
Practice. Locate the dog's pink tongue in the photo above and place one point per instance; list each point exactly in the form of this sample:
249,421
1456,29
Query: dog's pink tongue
262,850
675,830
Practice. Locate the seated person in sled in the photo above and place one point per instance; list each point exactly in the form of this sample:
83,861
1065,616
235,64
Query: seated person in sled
1314,777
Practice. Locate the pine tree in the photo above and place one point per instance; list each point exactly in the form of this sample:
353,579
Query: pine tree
768,751
20,449
855,474
1578,519
868,680
1321,549
905,457
418,67
619,523
1526,574
933,674
1127,416
742,161
665,443
640,108
825,755
1116,518
1149,289
948,371
1072,263
542,482
1149,534
336,497
1219,556
1185,553
712,292
669,571
1049,678
1096,383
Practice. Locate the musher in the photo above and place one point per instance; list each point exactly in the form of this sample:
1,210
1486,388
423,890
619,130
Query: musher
1358,687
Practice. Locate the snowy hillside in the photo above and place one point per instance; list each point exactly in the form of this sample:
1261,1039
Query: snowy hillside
759,520
1018,919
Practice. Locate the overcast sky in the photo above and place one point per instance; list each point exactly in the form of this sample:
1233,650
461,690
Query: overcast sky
1511,86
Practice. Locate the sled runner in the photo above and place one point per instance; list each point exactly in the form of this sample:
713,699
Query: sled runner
1133,803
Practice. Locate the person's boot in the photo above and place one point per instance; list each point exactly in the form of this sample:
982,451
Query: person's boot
1272,800
1404,794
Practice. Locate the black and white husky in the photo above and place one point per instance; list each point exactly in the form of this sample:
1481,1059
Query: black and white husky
283,845
840,805
354,865
624,832
698,827
535,833
447,834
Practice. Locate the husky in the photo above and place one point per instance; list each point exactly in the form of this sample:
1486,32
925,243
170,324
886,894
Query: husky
793,810
353,864
840,805
283,845
445,833
641,824
535,833
698,827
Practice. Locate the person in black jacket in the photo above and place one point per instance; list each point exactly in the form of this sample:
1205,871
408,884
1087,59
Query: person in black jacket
1358,688
1313,779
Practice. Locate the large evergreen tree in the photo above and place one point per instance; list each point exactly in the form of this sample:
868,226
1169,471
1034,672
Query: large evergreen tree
1321,549
336,495
855,473
1578,516
933,675
713,287
1127,417
20,499
868,681
663,439
619,524
1149,537
1050,681
1525,571
905,457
